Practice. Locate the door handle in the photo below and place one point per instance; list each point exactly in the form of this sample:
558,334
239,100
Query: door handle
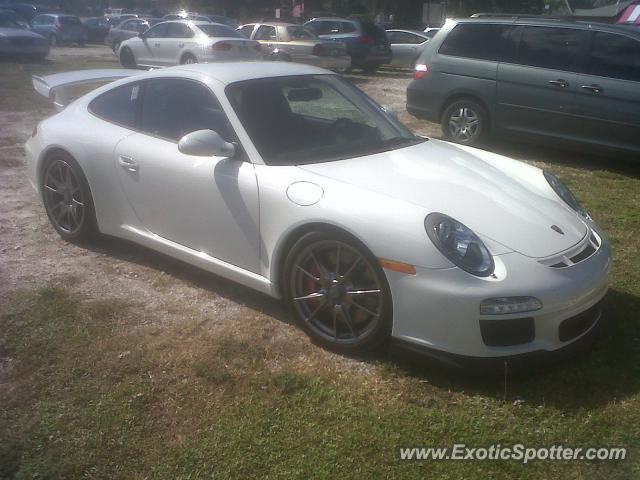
157,44
593,88
559,83
128,164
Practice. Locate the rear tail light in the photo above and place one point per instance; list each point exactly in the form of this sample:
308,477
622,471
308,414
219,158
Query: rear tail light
222,47
420,71
366,39
318,49
59,26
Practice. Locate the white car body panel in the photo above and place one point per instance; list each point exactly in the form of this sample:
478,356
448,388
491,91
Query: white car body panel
163,52
234,218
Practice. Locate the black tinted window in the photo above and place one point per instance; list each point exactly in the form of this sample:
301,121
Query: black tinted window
70,21
615,56
266,32
246,30
214,30
549,47
179,30
172,108
480,41
118,105
158,31
323,27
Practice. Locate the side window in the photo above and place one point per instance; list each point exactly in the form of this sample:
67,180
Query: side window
323,27
246,31
614,56
128,25
36,21
179,30
404,38
346,27
158,31
171,108
118,105
475,40
266,32
549,47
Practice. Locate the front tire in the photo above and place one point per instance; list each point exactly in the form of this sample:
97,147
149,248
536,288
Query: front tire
127,60
466,122
67,199
337,292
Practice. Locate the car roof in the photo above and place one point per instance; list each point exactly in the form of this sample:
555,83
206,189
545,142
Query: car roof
420,33
555,22
228,72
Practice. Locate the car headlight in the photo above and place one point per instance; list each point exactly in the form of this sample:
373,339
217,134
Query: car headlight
565,194
459,244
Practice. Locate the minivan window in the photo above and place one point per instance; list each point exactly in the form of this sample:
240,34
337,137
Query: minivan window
549,47
482,41
614,56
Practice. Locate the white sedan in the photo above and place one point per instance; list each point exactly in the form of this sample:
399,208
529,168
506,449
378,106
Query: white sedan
185,41
288,179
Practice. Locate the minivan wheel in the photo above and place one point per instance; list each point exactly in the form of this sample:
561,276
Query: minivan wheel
465,121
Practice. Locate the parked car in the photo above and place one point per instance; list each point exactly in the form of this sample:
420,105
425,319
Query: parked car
186,41
431,31
16,41
128,29
289,42
366,43
561,80
97,29
232,22
59,28
406,47
288,179
28,10
11,16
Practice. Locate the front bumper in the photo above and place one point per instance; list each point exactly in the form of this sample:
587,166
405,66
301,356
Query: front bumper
438,310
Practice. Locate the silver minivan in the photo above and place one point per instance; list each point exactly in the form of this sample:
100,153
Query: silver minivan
562,80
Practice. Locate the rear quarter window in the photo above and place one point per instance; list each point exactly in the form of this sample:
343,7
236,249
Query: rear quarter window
614,56
118,106
477,41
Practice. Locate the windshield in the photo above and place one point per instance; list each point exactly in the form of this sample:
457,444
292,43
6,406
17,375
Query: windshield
300,33
219,31
313,118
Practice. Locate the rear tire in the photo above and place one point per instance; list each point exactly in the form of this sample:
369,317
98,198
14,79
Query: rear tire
350,307
466,122
370,67
127,60
188,59
67,198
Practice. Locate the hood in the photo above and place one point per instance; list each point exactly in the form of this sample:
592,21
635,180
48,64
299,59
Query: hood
18,32
444,178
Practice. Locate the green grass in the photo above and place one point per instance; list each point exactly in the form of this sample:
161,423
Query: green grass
91,389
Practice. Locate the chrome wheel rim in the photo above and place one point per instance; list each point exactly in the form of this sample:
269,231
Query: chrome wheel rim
63,196
464,124
336,292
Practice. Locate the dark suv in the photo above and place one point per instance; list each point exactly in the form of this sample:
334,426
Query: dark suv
366,43
562,80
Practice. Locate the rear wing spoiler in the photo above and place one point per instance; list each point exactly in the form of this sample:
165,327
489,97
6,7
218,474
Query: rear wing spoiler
57,86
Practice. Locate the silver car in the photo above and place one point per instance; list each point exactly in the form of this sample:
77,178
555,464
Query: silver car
406,46
186,41
294,43
16,41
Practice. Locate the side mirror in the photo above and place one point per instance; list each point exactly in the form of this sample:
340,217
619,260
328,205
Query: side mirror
206,143
390,111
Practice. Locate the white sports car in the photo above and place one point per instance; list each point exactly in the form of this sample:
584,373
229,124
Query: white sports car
288,179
